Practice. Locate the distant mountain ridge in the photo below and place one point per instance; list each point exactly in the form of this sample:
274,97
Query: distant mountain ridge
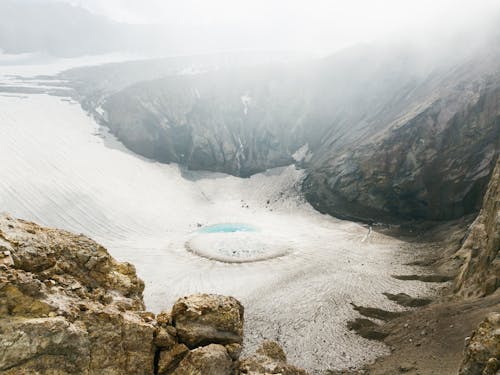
62,30
387,134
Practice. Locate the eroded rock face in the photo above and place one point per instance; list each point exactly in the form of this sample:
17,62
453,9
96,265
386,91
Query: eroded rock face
204,318
482,351
269,359
68,307
212,359
431,164
480,274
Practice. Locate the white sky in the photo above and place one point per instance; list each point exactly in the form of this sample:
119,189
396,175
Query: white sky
314,25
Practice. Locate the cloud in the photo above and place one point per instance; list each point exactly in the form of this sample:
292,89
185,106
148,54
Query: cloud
313,25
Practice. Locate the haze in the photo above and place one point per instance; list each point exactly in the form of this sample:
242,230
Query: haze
310,27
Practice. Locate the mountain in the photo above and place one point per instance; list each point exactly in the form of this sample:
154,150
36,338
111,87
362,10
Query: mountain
385,132
63,30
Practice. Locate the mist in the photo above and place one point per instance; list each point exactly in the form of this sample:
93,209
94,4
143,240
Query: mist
168,28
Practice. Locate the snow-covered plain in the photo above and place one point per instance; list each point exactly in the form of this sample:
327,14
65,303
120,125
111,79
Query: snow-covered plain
59,168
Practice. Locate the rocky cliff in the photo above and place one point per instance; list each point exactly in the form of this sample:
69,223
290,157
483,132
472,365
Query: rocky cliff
385,133
67,307
433,165
480,274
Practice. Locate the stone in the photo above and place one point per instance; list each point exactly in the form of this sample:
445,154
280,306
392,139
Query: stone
212,359
59,316
268,359
234,351
68,308
482,350
164,318
168,360
208,318
273,350
163,339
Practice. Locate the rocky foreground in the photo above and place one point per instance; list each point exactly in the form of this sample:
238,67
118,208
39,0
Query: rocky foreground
67,307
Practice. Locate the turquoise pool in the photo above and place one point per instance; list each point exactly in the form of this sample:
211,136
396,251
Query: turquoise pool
227,228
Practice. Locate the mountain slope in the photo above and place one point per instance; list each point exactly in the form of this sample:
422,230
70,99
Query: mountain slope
385,132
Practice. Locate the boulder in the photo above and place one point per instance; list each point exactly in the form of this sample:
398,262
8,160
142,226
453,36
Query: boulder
169,360
268,359
212,359
68,307
482,350
163,339
203,319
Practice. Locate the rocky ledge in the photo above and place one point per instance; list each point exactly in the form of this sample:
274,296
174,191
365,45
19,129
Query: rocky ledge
482,350
67,307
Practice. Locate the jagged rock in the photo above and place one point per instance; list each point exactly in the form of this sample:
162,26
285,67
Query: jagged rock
269,359
68,307
482,351
435,165
212,359
207,318
163,339
234,350
169,360
480,274
273,350
164,318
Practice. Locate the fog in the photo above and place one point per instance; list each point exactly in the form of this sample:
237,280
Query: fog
317,27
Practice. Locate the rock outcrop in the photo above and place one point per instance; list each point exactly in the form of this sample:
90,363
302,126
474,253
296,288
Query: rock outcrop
480,273
203,319
269,359
67,307
433,164
482,350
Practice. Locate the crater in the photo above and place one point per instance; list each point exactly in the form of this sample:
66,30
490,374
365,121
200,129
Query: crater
236,243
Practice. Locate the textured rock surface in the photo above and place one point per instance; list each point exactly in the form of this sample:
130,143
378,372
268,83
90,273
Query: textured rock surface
433,163
67,307
269,359
206,360
480,274
482,350
201,319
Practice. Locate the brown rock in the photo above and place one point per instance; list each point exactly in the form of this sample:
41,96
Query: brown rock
269,359
482,352
271,349
212,359
207,318
168,360
234,351
164,318
163,339
67,307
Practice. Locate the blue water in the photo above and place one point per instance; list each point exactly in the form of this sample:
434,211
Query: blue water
227,228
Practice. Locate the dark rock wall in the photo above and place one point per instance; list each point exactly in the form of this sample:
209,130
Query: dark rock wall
389,137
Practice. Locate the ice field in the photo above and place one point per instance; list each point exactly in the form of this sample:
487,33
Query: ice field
295,270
